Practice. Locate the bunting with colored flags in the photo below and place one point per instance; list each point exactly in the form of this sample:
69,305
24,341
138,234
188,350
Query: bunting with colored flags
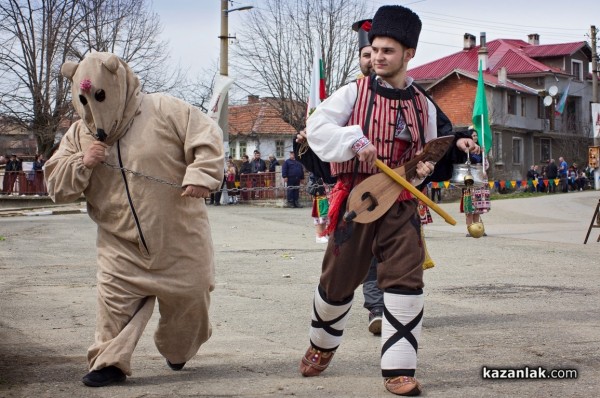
480,114
317,83
560,107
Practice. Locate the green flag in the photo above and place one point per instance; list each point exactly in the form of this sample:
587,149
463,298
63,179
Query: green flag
480,115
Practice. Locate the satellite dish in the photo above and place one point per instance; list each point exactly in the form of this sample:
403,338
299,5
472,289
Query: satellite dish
547,100
553,91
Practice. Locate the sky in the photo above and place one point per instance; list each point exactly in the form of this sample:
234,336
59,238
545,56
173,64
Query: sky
192,27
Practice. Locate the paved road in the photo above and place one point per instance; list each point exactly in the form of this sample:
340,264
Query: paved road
525,295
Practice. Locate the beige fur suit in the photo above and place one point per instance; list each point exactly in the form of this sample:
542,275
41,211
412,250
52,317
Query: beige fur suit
153,244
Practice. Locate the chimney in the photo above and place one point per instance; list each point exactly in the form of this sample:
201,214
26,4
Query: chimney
468,41
483,52
534,39
253,99
502,75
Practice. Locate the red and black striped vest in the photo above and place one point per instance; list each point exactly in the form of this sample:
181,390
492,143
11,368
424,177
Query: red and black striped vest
393,152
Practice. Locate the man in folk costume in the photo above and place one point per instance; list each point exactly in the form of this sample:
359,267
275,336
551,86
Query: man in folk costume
154,242
402,119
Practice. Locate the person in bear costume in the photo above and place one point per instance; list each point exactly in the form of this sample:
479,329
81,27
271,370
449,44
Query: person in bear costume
154,242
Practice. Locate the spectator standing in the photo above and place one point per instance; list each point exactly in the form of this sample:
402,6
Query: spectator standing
38,175
273,163
258,165
292,173
551,173
532,175
581,180
13,167
231,177
245,168
562,173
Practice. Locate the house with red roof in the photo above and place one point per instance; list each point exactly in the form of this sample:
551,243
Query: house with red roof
524,83
258,125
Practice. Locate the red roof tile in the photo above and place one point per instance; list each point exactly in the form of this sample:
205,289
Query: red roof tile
260,117
516,55
554,50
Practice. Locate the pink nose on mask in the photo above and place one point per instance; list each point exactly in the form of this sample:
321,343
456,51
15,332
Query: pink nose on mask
85,85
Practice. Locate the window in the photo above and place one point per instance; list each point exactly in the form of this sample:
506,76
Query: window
545,153
279,149
233,152
497,150
577,69
541,108
511,103
523,106
243,148
517,146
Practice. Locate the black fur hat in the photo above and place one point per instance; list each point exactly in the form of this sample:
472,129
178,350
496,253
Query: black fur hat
397,22
362,27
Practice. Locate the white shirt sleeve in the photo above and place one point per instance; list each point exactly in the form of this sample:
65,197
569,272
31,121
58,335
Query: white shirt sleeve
431,126
326,130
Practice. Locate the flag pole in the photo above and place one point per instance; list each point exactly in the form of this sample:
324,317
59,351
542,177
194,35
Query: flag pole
483,154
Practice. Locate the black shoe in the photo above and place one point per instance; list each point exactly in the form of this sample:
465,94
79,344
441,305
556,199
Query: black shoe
375,321
297,205
104,377
175,366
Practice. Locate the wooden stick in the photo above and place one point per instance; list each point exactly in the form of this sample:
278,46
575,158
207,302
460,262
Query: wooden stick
407,185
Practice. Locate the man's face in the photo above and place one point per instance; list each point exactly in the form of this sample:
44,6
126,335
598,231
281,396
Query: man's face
256,155
364,61
292,156
389,58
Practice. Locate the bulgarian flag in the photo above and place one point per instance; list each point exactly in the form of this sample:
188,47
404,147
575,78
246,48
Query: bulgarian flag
560,108
317,84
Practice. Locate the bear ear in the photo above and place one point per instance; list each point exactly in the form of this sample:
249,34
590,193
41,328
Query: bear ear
112,63
68,69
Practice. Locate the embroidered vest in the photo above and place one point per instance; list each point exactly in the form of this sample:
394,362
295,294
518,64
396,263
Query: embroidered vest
382,129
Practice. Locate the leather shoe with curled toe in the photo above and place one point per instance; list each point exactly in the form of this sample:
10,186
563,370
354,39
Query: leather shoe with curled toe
315,361
403,385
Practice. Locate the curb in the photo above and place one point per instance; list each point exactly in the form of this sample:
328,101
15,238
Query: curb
40,212
53,212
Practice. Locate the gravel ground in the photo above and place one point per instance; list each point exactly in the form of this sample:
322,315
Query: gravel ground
526,295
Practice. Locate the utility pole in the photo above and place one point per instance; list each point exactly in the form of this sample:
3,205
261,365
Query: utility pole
595,99
224,67
594,67
594,75
224,70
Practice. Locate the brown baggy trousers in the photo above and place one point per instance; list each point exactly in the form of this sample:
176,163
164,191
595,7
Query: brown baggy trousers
127,291
394,240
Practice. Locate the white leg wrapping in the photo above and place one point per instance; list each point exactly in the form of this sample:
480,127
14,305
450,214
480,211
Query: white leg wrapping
401,332
328,322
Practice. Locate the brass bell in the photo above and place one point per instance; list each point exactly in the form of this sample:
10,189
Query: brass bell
476,229
469,180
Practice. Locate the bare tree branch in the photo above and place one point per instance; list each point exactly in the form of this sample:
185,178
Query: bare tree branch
277,45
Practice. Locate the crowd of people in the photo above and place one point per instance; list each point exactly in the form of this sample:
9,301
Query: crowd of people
572,178
17,180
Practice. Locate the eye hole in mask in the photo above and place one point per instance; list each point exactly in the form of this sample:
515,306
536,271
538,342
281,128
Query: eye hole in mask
83,100
100,95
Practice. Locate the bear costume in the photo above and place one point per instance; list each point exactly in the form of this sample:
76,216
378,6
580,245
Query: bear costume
154,243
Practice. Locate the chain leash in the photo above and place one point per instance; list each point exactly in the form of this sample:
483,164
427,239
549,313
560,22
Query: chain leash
178,186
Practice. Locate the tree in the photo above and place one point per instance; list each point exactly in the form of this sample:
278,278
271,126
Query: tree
34,40
38,36
277,44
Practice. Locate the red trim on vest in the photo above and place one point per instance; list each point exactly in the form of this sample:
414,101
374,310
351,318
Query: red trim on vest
383,128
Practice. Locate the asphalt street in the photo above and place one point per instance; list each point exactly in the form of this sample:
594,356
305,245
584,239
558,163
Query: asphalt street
526,295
